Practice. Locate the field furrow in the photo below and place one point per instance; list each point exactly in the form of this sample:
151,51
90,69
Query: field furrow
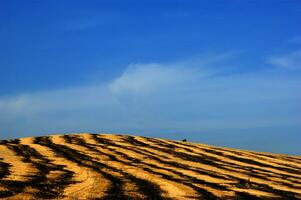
107,167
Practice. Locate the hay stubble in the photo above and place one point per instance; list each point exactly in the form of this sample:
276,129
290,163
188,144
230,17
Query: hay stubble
103,166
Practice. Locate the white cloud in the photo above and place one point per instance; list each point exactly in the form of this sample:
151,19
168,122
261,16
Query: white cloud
147,78
178,96
290,61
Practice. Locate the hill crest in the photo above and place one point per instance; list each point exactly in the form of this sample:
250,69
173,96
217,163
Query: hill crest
107,166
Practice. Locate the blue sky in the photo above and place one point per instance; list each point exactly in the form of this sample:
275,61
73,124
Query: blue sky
220,72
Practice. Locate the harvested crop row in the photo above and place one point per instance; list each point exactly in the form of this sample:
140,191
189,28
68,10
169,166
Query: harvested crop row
103,166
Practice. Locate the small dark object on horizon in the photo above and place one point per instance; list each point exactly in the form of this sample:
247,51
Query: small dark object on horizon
184,140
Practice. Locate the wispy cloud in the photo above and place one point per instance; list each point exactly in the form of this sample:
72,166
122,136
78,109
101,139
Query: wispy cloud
142,79
175,96
290,61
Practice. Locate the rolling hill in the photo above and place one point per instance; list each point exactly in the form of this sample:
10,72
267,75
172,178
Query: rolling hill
104,166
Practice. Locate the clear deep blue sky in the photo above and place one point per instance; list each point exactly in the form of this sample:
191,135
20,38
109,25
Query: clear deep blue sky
223,72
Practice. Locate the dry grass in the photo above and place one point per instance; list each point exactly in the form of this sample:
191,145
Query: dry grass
103,166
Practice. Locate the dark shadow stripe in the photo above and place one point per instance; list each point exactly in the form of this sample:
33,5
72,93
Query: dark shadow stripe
242,183
115,189
249,170
255,172
147,188
262,187
12,141
276,161
182,166
247,196
171,163
148,167
264,157
4,172
200,158
284,158
47,188
196,159
4,169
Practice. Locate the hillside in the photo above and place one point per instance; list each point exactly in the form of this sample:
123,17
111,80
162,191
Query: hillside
103,166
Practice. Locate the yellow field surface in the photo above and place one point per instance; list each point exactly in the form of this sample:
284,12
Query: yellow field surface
106,166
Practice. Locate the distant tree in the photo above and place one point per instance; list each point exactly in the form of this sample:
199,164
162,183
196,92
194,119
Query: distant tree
184,140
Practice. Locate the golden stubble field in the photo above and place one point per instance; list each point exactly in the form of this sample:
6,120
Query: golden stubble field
105,166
